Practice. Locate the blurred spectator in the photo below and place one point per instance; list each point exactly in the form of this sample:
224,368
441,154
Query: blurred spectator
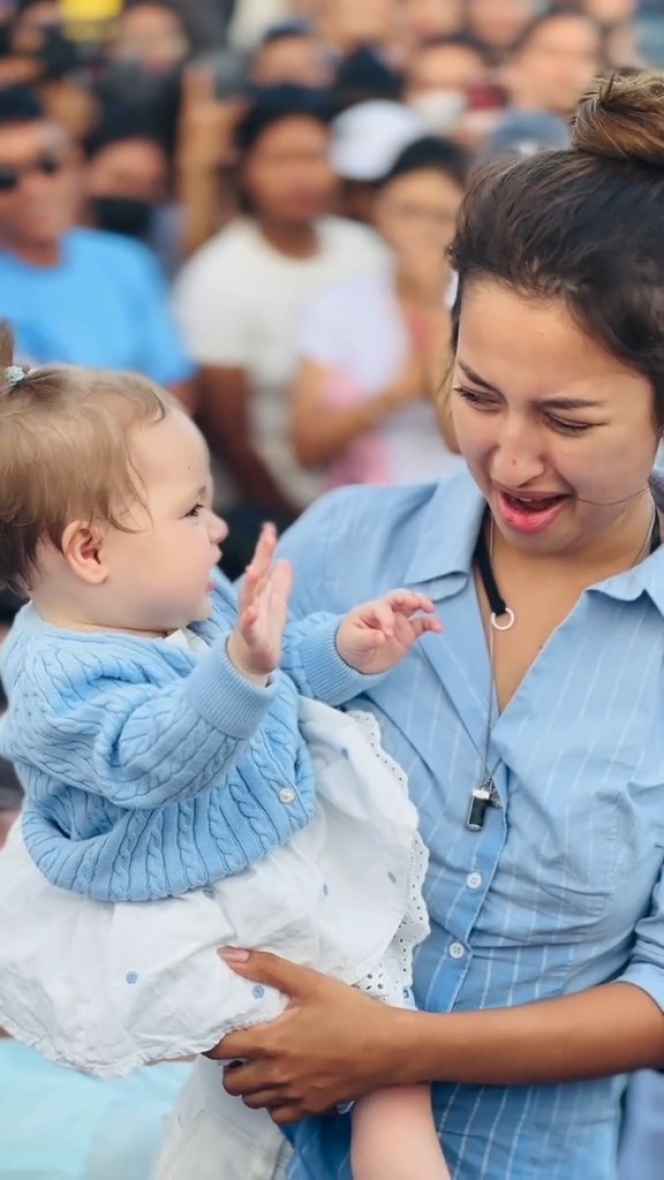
291,52
39,52
525,132
553,62
363,76
366,140
241,297
497,24
150,34
440,75
59,1124
426,19
252,18
73,295
373,349
348,25
205,155
128,185
206,22
145,60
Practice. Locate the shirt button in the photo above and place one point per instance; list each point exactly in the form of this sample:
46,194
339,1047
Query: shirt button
287,795
474,880
457,951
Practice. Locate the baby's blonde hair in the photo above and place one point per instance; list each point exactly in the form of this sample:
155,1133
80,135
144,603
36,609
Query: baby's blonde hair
65,453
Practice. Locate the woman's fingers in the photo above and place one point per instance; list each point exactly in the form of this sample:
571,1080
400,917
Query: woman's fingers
263,967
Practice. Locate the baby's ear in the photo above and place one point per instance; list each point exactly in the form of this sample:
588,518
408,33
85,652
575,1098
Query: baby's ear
82,548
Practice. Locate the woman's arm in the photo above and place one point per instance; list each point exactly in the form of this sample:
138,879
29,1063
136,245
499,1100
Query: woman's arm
334,1044
322,429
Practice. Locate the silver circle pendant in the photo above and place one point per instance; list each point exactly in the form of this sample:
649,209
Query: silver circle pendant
509,616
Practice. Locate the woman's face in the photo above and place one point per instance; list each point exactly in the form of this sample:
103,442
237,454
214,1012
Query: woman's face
417,212
555,431
287,175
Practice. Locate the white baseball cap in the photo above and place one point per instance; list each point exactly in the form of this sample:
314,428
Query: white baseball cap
368,137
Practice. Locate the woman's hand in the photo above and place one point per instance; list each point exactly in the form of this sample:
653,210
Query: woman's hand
331,1046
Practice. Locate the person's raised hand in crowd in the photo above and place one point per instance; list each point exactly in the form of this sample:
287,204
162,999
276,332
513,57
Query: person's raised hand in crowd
204,148
374,637
255,645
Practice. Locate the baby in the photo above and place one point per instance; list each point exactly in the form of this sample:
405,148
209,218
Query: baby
187,784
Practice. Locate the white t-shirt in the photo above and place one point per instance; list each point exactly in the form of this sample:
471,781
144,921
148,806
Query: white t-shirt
240,303
357,330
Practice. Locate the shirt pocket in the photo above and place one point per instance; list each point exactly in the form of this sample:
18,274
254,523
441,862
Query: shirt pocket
577,852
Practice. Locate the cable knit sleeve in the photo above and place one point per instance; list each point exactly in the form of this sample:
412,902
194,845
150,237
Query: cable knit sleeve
311,659
138,744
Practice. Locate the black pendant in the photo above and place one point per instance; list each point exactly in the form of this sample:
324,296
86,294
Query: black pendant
483,797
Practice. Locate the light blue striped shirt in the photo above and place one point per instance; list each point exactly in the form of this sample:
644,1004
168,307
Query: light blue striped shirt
561,889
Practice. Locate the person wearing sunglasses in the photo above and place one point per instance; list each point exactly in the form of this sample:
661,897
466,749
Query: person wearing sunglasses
74,295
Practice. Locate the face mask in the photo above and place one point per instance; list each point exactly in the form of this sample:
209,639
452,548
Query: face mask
124,215
440,109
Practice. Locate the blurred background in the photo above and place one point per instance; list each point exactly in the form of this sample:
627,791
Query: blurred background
250,201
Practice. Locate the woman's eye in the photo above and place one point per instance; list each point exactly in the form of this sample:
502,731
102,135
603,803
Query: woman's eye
570,427
475,398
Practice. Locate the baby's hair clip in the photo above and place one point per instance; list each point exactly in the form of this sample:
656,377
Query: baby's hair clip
14,374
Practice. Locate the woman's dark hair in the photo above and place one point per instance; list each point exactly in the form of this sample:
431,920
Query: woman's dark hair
272,104
429,153
584,224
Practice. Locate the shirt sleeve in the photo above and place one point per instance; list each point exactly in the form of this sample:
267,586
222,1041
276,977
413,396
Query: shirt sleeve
163,356
646,966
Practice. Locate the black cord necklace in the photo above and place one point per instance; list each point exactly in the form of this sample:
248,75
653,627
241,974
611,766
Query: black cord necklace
502,618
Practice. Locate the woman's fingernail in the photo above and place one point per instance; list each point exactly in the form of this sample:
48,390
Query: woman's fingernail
231,954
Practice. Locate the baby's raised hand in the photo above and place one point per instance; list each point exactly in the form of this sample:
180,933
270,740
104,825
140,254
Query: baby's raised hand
255,645
375,636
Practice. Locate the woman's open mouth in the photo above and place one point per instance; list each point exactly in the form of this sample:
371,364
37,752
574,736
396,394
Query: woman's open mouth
529,513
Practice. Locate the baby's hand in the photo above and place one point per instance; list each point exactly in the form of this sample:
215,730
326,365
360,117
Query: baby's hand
375,636
255,645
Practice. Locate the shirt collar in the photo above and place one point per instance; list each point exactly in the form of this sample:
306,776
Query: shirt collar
645,578
447,536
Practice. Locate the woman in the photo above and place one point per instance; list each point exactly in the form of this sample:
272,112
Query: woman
361,406
531,729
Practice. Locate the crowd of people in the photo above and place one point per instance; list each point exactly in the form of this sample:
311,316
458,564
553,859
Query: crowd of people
251,203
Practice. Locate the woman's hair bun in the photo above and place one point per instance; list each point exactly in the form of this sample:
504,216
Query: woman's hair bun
622,118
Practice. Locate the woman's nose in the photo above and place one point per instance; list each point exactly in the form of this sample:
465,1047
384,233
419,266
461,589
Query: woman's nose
518,453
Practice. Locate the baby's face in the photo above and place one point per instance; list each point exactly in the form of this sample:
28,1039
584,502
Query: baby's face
159,572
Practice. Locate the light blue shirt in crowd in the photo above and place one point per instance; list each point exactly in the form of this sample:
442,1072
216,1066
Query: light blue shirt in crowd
561,890
60,1124
105,304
